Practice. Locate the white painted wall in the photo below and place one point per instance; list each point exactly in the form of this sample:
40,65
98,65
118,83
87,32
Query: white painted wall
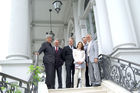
16,68
135,12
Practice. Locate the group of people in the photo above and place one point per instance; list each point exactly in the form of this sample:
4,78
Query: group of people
80,59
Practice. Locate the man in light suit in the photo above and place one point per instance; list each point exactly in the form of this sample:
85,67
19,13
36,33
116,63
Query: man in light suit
92,53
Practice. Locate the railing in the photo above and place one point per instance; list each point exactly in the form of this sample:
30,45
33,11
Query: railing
16,83
122,72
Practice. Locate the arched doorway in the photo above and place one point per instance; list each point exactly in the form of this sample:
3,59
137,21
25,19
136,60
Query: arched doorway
70,31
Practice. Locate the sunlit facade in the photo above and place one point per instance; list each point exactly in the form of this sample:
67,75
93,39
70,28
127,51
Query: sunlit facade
114,24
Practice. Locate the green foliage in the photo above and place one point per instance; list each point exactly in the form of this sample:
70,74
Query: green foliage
17,91
2,88
36,70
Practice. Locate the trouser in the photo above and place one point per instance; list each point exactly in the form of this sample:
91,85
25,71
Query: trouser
50,75
69,76
59,75
94,73
87,76
76,75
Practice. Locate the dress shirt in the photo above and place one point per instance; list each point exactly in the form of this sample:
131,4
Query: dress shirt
71,47
88,49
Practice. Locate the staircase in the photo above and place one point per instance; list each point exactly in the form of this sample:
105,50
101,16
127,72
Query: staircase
107,86
100,89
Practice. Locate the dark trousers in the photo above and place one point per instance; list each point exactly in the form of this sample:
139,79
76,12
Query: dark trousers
50,75
59,75
87,76
70,76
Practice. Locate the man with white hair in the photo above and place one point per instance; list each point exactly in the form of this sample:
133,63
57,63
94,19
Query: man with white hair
49,61
92,53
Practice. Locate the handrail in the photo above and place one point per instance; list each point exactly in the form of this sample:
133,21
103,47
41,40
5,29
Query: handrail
12,77
120,59
121,73
28,82
15,78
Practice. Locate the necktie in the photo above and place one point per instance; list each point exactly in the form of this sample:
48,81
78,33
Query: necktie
56,49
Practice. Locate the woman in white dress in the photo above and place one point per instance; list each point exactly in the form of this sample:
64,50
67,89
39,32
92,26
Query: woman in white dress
80,66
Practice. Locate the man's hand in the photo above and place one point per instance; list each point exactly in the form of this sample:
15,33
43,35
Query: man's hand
87,64
36,53
96,60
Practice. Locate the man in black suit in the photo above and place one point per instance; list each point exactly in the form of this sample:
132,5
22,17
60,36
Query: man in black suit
69,62
58,62
49,61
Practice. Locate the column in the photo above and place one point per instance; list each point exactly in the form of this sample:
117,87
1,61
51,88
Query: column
83,27
102,26
75,14
122,29
90,16
19,42
66,35
135,11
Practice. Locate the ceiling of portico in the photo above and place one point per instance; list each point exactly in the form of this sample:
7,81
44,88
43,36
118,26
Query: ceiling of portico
41,15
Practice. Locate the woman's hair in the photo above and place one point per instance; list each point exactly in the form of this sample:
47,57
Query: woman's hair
82,48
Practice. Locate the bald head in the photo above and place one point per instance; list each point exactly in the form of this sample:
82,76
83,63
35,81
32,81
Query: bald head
88,37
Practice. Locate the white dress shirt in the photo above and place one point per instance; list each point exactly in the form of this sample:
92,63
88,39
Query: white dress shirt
71,47
88,49
57,48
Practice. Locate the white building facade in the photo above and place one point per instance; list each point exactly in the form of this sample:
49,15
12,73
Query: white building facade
115,24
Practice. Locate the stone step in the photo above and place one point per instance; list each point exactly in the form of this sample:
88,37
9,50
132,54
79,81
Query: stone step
100,89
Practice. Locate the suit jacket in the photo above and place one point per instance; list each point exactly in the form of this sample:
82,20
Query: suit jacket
68,55
86,56
93,51
49,53
58,58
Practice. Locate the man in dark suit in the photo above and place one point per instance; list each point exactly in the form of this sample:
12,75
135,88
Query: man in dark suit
58,62
86,60
69,62
49,61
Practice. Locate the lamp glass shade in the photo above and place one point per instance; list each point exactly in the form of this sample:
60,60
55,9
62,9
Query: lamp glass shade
57,5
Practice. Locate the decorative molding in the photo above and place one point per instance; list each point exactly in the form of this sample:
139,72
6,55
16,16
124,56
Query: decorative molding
121,45
38,40
120,50
13,62
17,55
46,22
